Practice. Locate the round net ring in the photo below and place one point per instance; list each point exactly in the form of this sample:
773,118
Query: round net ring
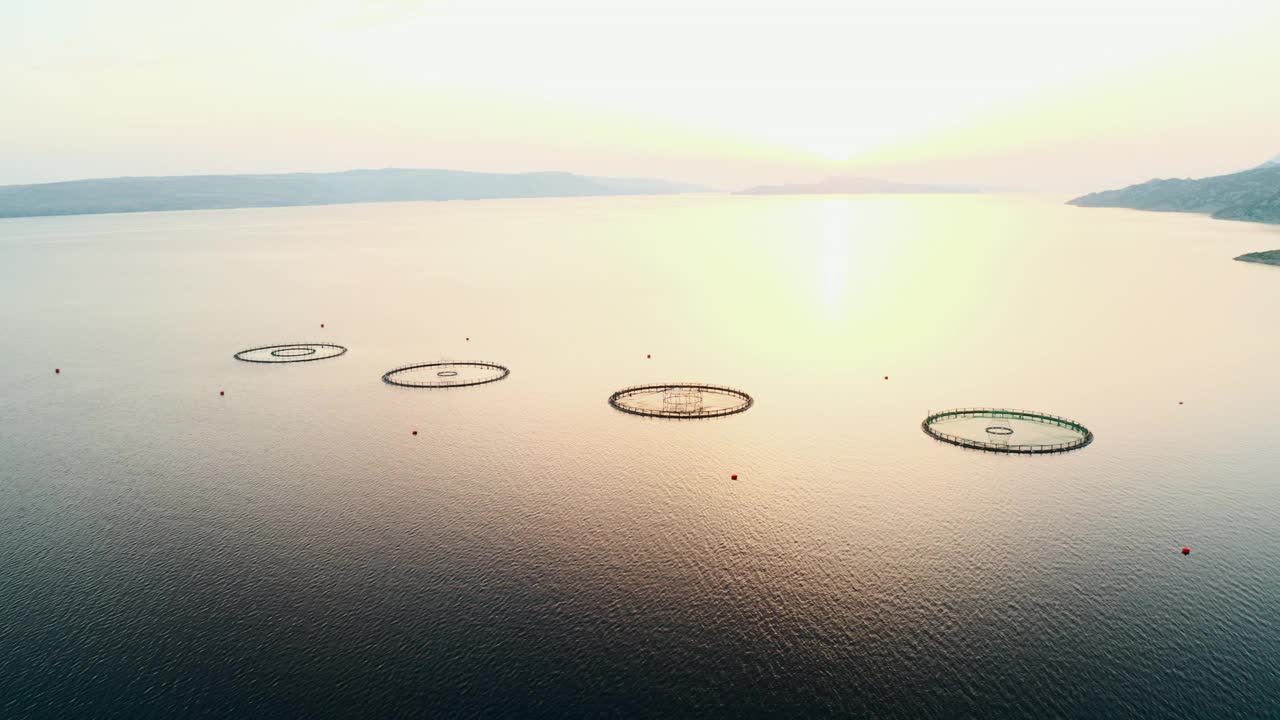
999,433
447,374
1044,433
291,352
681,400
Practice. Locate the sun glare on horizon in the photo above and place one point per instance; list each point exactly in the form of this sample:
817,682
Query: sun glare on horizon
714,91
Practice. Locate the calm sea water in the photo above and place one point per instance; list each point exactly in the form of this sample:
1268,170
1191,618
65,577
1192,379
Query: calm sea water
290,549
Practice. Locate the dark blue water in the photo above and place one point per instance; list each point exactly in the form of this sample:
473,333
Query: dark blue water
290,549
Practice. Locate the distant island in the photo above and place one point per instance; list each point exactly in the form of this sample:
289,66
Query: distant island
207,192
1266,257
1252,195
855,186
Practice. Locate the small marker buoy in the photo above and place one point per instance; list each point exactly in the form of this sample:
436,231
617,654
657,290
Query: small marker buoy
733,477
1186,551
415,432
1179,402
468,339
321,324
648,357
886,377
57,371
221,393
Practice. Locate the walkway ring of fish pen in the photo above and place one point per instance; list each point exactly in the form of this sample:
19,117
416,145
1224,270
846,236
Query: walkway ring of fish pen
682,401
501,371
291,352
1086,435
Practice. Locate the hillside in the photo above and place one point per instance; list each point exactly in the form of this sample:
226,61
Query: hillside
1266,257
201,192
1252,195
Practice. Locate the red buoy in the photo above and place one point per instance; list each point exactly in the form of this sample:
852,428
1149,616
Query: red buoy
222,392
57,371
321,324
1186,551
650,357
733,477
886,377
415,432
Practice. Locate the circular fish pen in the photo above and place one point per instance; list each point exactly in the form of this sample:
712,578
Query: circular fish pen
681,400
290,353
445,374
1007,431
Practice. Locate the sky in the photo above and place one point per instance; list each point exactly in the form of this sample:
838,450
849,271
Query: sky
1021,94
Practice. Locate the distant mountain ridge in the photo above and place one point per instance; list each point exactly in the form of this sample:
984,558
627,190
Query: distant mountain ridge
1252,195
207,192
853,186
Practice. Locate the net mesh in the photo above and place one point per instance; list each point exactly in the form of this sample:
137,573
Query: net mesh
445,374
1005,430
290,352
681,400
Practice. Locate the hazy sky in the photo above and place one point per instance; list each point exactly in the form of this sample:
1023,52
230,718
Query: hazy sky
1021,93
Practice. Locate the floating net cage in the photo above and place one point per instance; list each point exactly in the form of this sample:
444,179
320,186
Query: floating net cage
290,353
445,374
1007,431
681,400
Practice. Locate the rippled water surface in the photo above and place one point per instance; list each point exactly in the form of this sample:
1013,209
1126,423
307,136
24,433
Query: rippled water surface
292,549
